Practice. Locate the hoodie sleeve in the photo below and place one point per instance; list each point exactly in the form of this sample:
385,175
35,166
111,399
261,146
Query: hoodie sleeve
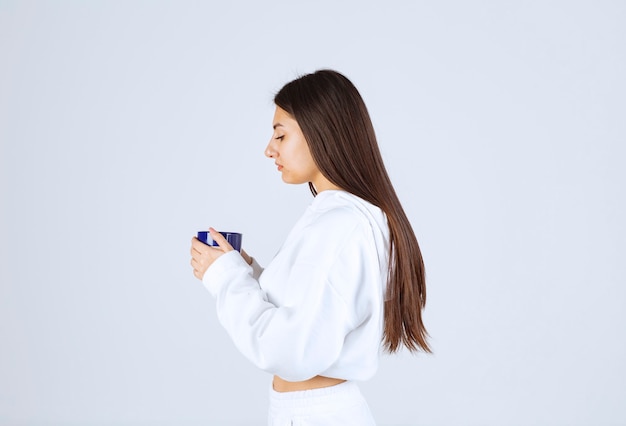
305,336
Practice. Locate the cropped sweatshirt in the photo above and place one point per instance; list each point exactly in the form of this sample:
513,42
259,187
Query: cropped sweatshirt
317,309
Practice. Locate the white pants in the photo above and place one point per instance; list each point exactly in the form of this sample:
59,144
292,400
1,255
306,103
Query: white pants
341,404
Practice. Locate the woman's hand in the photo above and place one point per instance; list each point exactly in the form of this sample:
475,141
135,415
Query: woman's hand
203,256
246,257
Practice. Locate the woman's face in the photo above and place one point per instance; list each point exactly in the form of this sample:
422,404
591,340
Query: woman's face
291,153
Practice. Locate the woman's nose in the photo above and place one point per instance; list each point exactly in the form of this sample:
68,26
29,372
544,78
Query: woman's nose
270,152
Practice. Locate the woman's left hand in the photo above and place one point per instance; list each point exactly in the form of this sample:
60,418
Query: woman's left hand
203,256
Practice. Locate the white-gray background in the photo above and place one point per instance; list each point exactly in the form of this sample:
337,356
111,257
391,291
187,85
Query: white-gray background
125,127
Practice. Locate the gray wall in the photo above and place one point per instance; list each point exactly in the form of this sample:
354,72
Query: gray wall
125,127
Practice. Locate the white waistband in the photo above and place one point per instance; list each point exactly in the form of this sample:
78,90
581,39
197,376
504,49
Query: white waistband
342,394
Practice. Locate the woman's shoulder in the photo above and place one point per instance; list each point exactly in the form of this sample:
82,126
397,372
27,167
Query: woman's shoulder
337,222
343,212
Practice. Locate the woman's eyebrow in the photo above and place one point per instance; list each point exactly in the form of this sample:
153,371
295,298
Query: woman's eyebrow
277,125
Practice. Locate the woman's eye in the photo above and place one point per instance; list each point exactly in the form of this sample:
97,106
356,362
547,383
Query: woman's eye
279,138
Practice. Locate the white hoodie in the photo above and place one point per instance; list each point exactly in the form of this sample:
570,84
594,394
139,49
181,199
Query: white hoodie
317,309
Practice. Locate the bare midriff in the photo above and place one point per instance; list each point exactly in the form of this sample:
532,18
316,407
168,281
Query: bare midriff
281,385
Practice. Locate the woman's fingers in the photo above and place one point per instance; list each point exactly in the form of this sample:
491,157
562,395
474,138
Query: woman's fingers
220,240
202,256
246,257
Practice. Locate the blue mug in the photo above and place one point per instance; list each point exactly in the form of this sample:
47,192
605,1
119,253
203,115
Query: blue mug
233,238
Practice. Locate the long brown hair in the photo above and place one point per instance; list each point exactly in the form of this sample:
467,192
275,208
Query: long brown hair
341,138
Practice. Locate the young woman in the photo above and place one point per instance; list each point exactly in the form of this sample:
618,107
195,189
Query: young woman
349,277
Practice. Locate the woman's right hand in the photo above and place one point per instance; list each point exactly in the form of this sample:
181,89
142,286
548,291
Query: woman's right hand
246,257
